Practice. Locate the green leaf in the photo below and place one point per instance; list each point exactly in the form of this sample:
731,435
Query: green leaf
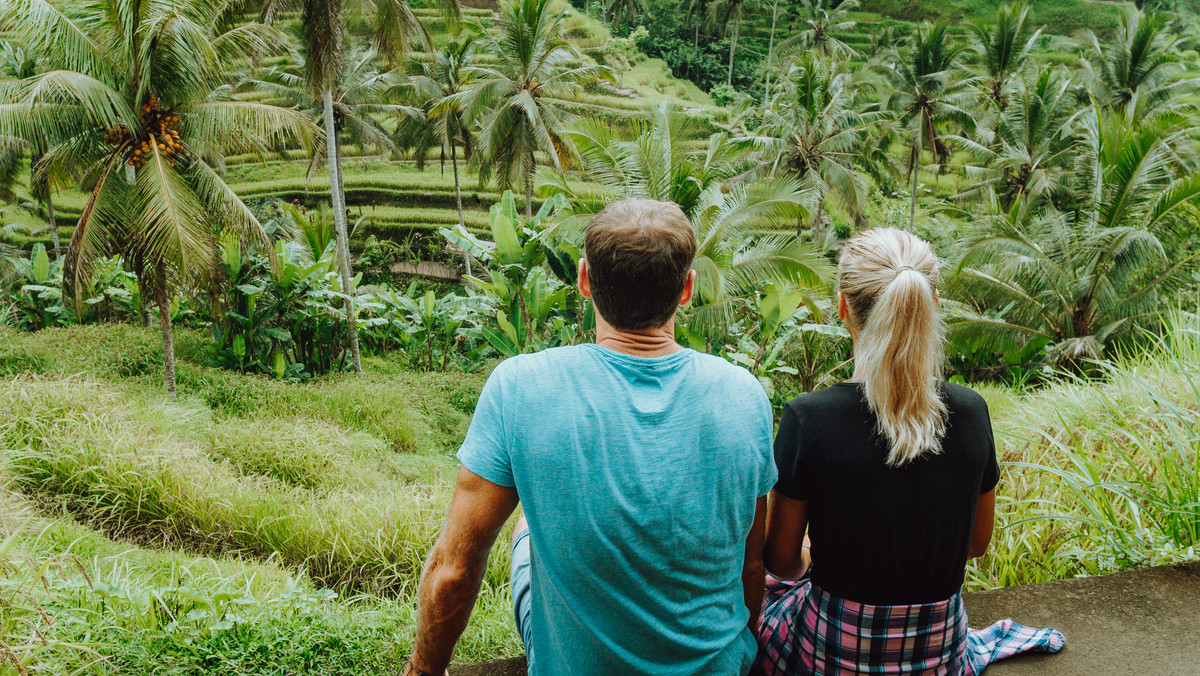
508,244
776,306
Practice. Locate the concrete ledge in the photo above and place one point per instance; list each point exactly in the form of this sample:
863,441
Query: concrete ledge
1138,622
1141,622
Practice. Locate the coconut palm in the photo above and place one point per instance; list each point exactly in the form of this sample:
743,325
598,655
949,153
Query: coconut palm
395,30
365,91
1080,279
439,87
736,254
1139,64
654,156
1003,46
624,12
19,63
517,100
1029,153
820,21
725,13
927,86
742,230
813,128
135,98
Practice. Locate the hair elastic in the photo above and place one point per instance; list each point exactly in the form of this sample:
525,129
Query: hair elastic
902,268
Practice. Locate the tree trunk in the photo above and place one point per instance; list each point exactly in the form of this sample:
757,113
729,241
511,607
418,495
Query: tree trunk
53,223
912,210
732,49
458,198
770,52
163,301
339,222
529,186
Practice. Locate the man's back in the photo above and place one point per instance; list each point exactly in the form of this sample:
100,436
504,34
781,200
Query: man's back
639,478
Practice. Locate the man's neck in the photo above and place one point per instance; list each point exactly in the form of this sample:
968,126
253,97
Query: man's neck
656,342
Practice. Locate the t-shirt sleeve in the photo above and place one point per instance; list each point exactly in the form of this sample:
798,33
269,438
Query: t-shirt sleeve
485,451
794,477
991,470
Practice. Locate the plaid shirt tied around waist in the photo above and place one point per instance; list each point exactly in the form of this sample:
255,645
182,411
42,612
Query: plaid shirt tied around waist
806,630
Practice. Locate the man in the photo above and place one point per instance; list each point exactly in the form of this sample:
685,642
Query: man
642,469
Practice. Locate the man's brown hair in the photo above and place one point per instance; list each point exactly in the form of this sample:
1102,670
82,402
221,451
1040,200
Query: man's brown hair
639,252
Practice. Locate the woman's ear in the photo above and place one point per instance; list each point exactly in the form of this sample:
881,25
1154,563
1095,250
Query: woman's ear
843,310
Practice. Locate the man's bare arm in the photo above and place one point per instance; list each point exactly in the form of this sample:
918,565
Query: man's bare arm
454,571
753,574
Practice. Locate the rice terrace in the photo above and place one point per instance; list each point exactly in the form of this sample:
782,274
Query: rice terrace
259,257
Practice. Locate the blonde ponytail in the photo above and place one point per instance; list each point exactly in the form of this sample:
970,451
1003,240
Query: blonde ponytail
889,280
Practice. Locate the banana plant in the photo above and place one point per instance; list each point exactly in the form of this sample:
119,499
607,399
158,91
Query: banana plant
37,302
532,269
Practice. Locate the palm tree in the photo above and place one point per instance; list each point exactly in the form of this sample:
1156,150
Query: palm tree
1003,47
624,12
439,88
820,21
1030,153
515,100
1140,64
926,86
134,99
813,128
654,156
395,29
740,245
734,258
19,64
721,13
365,91
1079,279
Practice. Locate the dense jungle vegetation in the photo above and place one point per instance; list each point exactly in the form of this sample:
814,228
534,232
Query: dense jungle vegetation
257,258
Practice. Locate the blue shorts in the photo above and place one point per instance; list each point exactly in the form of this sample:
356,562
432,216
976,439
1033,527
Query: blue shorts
521,584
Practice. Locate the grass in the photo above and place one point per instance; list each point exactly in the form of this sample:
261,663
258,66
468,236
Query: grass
197,535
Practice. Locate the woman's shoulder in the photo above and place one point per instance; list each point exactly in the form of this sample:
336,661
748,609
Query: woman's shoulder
826,400
962,400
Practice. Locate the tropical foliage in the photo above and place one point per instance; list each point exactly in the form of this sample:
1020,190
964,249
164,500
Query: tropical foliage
137,99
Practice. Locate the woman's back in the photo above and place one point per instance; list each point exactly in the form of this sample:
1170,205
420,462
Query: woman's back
885,535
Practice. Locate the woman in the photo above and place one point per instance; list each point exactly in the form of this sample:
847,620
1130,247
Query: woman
892,478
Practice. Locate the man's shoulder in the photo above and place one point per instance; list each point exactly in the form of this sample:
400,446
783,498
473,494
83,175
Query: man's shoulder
536,363
722,369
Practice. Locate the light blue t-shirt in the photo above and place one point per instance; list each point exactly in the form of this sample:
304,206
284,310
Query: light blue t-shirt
639,478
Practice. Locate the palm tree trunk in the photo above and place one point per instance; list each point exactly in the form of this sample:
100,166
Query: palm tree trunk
53,223
163,301
732,49
458,198
529,186
339,222
912,209
770,51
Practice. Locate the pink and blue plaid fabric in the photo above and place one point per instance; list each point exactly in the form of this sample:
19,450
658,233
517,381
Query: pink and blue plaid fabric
806,630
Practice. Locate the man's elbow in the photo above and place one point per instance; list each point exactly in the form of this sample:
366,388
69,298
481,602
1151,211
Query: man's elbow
446,570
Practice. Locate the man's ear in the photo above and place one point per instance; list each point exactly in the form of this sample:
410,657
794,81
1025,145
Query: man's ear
585,286
689,288
843,310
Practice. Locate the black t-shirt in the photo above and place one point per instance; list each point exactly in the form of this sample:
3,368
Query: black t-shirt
885,535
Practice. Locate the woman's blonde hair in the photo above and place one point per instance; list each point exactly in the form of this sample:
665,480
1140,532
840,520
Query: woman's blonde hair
889,279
